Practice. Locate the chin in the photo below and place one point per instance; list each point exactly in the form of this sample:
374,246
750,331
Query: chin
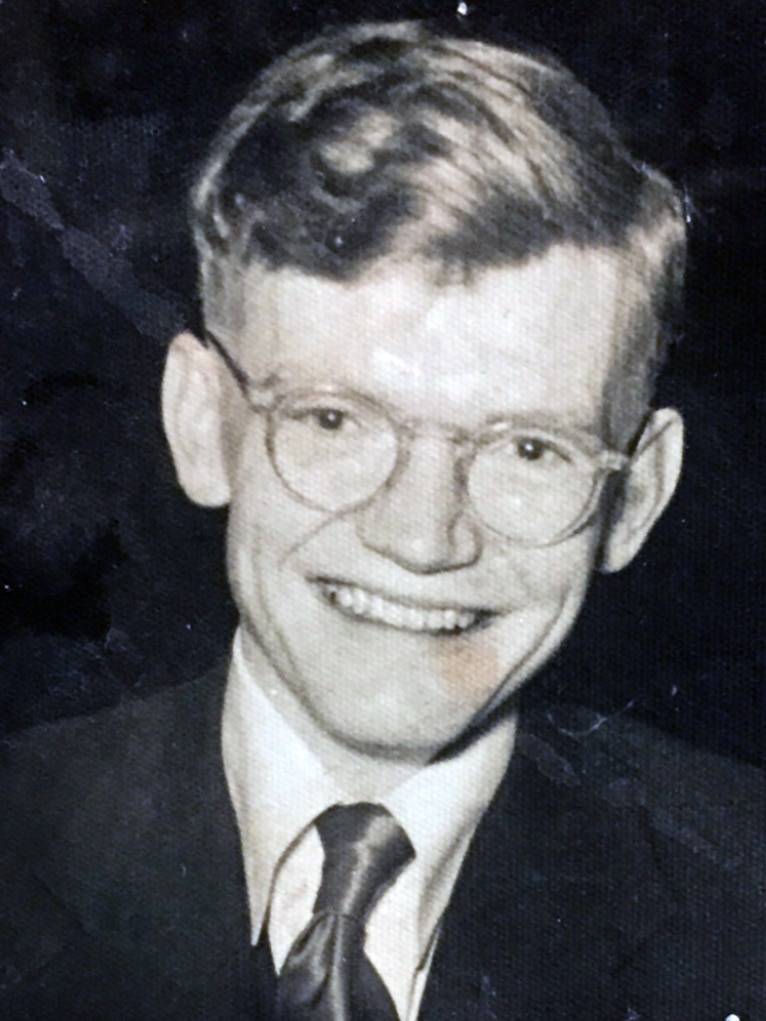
404,696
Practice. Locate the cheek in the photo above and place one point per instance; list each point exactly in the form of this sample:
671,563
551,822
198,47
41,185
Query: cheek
544,590
267,525
259,526
554,572
262,514
536,579
468,667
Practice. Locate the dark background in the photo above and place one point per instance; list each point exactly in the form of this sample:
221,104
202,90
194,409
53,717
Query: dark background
111,584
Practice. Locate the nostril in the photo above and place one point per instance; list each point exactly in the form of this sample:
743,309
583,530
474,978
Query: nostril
417,537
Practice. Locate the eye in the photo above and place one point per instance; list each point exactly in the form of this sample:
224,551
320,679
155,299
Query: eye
535,449
530,449
329,419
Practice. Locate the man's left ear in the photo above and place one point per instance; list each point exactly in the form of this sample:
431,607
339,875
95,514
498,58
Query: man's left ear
649,483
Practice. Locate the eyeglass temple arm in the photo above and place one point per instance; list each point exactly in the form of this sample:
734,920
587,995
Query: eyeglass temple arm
241,378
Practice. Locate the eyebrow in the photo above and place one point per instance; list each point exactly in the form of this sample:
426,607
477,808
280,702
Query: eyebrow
545,420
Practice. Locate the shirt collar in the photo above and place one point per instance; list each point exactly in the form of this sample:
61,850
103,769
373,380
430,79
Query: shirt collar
278,787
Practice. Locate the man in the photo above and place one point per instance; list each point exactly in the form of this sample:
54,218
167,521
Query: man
436,289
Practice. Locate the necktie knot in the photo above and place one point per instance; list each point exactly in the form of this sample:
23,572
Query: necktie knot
365,849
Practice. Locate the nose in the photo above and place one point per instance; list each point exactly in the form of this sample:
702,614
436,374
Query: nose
418,519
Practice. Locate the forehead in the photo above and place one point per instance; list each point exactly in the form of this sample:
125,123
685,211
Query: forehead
543,335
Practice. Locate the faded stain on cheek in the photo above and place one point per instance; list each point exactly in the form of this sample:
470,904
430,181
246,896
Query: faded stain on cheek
469,667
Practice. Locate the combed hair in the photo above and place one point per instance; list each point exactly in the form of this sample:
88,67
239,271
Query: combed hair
394,140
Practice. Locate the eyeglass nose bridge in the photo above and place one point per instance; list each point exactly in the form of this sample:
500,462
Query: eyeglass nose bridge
462,441
421,516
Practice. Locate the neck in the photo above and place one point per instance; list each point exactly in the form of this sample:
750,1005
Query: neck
363,774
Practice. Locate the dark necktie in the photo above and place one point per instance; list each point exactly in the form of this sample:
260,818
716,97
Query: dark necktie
326,976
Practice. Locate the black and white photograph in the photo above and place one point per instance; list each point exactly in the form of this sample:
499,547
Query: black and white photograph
382,510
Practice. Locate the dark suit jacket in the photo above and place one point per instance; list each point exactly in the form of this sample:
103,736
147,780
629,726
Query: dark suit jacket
617,875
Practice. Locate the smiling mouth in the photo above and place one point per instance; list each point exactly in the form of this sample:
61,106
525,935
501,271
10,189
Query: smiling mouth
361,604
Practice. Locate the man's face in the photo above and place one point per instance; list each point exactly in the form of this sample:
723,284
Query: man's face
537,341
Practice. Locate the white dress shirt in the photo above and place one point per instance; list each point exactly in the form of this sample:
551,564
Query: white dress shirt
278,788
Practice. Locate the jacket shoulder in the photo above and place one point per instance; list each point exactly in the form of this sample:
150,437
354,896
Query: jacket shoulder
696,802
81,800
50,764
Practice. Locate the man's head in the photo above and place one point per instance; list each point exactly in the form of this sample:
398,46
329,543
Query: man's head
439,286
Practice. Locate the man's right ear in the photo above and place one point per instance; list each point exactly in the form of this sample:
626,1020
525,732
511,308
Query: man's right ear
191,415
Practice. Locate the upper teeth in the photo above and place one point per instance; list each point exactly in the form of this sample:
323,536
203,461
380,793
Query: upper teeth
360,603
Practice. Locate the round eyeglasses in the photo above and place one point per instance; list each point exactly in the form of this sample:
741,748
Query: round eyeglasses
335,450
